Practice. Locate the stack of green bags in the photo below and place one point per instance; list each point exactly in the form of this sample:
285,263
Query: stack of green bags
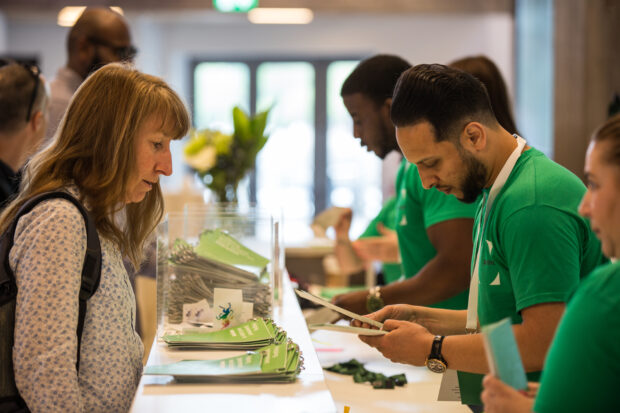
276,363
251,335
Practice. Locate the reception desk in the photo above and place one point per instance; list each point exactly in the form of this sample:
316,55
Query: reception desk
315,390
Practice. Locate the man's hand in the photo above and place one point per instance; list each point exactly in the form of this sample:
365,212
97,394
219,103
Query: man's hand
343,225
406,342
402,312
354,301
383,248
498,397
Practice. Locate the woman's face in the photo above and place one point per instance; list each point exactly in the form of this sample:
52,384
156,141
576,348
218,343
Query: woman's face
153,159
600,203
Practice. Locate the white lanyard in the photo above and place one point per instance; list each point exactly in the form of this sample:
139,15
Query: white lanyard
487,204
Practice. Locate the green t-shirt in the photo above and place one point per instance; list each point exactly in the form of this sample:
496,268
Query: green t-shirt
582,370
387,216
536,247
417,210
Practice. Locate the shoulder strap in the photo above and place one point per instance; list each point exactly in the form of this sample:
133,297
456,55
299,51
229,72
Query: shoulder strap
91,269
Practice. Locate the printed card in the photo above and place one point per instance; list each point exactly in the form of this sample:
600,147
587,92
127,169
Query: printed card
198,313
227,307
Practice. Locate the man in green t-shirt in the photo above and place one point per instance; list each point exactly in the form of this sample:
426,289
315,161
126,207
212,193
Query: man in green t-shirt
531,248
433,230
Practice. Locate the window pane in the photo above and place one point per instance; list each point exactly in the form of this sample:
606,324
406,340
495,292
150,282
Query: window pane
285,166
218,88
355,174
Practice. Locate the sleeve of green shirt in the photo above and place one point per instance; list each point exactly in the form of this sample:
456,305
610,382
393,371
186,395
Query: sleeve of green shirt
542,247
438,207
386,216
582,369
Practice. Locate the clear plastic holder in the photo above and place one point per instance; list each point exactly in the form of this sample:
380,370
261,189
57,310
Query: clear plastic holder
182,277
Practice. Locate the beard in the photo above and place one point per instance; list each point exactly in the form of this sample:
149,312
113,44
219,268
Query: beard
95,63
475,179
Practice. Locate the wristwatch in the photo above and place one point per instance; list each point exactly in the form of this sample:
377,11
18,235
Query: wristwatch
374,302
435,361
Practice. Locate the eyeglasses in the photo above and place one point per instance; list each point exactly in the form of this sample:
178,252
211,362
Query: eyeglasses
35,72
123,52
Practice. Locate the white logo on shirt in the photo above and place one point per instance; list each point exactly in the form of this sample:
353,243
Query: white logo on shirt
490,246
403,221
496,280
403,192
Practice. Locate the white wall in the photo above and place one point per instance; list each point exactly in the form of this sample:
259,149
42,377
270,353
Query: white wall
169,41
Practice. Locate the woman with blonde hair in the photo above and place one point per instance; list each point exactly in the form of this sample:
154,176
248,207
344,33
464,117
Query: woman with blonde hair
582,369
109,151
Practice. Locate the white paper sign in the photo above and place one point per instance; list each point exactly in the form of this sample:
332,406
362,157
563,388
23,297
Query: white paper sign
198,313
449,390
227,307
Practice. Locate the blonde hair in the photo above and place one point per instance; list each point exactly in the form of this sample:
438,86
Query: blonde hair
94,149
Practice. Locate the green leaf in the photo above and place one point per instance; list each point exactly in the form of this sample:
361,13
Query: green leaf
241,121
259,121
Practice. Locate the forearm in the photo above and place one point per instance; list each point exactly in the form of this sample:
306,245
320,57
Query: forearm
441,322
466,352
441,278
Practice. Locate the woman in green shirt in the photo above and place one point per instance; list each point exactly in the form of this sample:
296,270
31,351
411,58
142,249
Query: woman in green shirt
582,369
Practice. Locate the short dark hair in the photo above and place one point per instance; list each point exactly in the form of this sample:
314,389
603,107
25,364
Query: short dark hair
445,97
375,77
483,68
17,85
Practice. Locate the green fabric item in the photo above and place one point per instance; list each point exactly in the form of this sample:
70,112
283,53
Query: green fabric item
417,210
361,375
582,369
546,248
387,216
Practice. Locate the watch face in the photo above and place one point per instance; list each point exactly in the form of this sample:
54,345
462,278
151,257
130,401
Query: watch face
374,304
436,366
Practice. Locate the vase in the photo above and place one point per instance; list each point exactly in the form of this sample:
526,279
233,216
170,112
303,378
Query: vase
226,194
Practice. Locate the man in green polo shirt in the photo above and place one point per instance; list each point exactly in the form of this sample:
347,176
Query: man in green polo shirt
531,248
433,229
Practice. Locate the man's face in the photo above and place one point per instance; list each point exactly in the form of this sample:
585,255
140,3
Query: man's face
108,44
371,123
444,165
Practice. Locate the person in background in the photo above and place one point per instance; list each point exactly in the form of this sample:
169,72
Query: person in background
483,69
23,119
572,380
98,37
112,146
429,231
531,248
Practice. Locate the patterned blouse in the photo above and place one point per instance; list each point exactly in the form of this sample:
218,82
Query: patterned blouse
47,258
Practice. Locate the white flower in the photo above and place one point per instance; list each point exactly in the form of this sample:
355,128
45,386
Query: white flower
203,160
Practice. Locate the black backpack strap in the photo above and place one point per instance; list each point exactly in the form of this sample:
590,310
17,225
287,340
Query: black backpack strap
91,269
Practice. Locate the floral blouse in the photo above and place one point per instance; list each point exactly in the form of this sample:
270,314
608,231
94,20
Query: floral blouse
47,258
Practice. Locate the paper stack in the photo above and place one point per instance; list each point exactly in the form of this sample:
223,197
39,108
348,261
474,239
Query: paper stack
218,261
250,335
276,363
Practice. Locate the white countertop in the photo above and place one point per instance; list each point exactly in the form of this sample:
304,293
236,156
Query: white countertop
418,395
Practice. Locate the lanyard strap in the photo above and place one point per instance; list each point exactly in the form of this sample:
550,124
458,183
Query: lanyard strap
487,204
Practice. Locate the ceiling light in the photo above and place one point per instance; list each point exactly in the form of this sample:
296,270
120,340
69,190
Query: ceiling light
273,15
69,15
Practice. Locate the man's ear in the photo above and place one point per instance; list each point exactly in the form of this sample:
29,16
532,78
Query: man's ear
474,137
388,103
37,120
